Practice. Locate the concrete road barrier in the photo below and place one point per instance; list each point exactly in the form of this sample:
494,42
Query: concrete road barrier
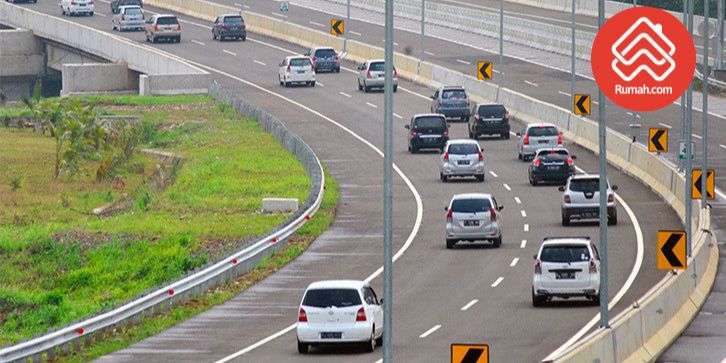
279,205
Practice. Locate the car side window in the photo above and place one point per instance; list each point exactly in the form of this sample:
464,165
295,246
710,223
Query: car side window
369,296
216,21
473,110
494,203
594,251
436,94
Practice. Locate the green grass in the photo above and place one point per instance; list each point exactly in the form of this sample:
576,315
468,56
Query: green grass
58,263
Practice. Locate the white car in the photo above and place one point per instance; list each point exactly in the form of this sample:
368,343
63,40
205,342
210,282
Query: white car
339,312
473,217
128,17
535,137
74,7
371,74
581,199
296,69
461,158
566,267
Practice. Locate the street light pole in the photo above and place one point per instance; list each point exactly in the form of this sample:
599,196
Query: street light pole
683,96
347,24
689,141
423,32
501,46
604,322
634,122
388,189
719,40
572,68
704,91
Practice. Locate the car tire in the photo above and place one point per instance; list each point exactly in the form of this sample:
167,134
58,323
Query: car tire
595,299
302,348
443,177
532,180
214,36
480,178
370,345
613,220
519,156
471,135
379,340
244,38
497,242
503,136
506,136
337,70
395,88
450,244
537,300
360,88
90,14
565,219
312,84
366,89
414,150
178,39
153,39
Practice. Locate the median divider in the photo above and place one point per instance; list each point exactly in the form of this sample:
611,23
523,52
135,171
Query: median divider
641,332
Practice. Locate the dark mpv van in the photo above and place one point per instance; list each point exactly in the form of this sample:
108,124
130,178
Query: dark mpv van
427,131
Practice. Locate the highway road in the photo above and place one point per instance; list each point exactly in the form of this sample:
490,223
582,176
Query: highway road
432,284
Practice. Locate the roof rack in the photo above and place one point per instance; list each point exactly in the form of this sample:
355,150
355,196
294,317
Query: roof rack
566,237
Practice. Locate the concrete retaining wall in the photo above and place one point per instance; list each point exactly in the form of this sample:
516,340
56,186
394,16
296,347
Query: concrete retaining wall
19,54
172,84
94,78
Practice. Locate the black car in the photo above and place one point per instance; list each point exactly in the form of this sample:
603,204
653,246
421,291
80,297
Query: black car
551,165
489,119
116,3
229,26
427,131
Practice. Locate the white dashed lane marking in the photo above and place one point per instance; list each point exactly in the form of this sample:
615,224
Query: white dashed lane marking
493,174
316,24
429,332
523,244
397,116
517,200
514,262
198,42
463,61
498,281
230,53
345,94
564,94
355,33
524,214
665,125
260,63
372,105
506,186
526,227
469,304
531,83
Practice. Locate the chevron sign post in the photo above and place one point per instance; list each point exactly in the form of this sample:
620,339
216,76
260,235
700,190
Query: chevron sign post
643,59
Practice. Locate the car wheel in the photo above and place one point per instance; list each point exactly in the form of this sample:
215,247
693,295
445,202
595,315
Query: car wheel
395,88
360,88
302,348
178,39
312,84
443,177
595,299
90,14
414,149
379,340
532,180
286,83
471,135
480,178
519,156
366,89
214,36
244,38
153,39
613,219
537,300
506,136
337,70
450,244
497,242
370,345
565,219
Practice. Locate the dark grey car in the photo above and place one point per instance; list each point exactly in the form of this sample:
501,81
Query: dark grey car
452,102
324,59
489,119
229,26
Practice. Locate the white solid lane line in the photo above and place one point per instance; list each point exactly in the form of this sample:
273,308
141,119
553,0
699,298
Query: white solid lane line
526,227
499,281
355,33
430,331
260,63
345,94
316,24
531,83
100,14
320,84
517,200
524,214
429,53
247,7
493,174
564,94
198,42
722,146
514,262
230,53
397,116
463,61
372,105
665,125
278,14
469,304
697,136
523,244
506,186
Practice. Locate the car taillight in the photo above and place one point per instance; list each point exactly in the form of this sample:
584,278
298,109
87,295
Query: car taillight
537,162
559,139
225,26
570,162
446,133
538,267
178,27
525,140
361,315
123,17
315,59
506,116
611,198
481,156
395,73
449,216
243,26
476,117
74,3
368,74
438,102
593,267
90,3
567,199
446,157
156,27
288,68
413,133
337,57
302,316
492,213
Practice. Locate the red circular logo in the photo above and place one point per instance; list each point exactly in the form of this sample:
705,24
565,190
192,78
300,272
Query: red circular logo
643,59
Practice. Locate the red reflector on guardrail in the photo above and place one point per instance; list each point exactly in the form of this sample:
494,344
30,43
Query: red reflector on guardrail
274,239
80,331
171,291
234,261
307,217
325,187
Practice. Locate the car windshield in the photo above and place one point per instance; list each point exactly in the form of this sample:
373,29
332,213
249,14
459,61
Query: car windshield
429,123
470,205
492,111
564,253
377,67
233,20
166,20
585,185
325,53
463,149
542,131
132,11
322,298
453,94
299,62
553,155
130,2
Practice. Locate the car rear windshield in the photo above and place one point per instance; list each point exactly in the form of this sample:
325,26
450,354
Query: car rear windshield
492,111
453,93
470,205
132,11
325,53
130,2
232,19
463,149
564,253
322,298
429,123
166,20
547,155
378,67
300,62
542,131
585,185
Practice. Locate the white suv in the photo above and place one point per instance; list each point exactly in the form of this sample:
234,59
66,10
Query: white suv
472,217
581,199
535,137
566,267
461,158
339,311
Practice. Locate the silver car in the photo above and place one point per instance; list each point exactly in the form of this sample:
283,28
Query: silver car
535,137
472,217
371,74
462,158
130,17
163,26
324,59
581,199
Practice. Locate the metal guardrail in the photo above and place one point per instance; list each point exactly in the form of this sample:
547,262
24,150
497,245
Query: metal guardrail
197,282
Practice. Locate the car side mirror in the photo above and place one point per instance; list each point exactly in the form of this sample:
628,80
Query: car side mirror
500,207
534,257
407,127
519,134
433,97
614,187
380,301
574,157
561,188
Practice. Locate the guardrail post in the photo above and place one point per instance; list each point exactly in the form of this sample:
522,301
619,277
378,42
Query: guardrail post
50,354
38,358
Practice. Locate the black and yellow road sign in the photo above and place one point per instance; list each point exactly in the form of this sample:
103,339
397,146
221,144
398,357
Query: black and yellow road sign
337,26
469,353
658,140
672,250
582,104
484,70
696,191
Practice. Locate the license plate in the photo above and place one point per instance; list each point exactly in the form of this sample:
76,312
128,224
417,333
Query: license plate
331,335
553,167
567,275
589,215
471,223
543,142
462,162
300,72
